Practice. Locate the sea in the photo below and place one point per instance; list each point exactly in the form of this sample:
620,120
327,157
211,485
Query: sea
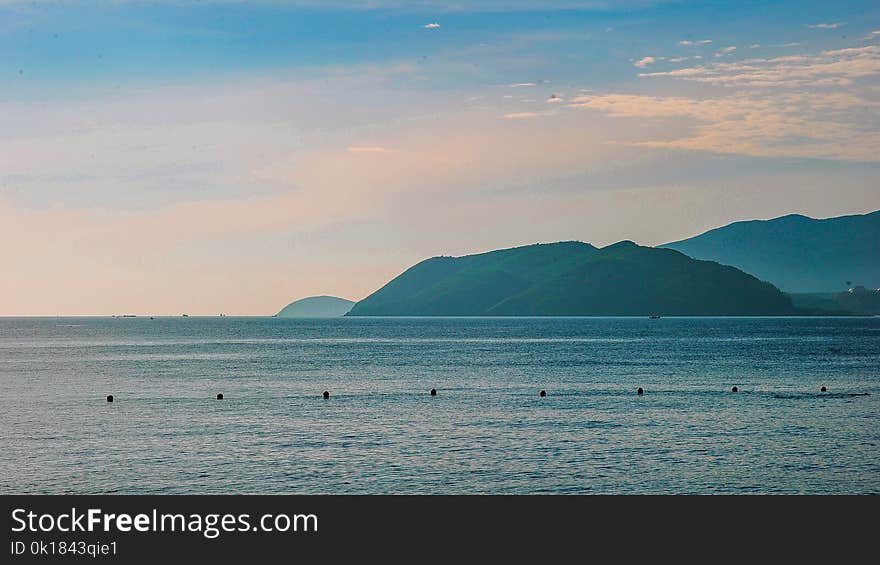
487,430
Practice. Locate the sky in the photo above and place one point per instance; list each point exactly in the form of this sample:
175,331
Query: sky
171,156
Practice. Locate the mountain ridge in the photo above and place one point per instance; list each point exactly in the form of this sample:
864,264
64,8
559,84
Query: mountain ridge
797,253
570,279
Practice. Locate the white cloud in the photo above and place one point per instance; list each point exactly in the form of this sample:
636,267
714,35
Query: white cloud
644,62
522,84
432,25
826,25
829,68
754,45
687,43
817,106
791,124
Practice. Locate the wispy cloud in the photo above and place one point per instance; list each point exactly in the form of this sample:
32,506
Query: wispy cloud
795,124
687,42
644,62
809,106
366,149
432,25
522,84
791,106
523,115
834,25
835,67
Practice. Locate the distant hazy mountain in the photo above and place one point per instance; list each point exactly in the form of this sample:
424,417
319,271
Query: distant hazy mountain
571,279
859,300
317,307
797,253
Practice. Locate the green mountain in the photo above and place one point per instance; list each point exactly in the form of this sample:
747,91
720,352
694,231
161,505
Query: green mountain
797,253
316,307
574,279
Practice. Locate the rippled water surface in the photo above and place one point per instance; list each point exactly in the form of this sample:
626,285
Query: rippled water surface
487,430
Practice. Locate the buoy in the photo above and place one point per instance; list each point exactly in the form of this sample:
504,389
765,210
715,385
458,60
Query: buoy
109,398
543,393
734,389
326,395
823,389
219,396
640,391
433,392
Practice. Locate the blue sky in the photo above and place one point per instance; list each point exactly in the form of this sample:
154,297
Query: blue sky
233,156
141,41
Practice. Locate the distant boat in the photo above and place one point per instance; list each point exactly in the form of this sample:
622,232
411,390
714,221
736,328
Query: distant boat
654,316
185,316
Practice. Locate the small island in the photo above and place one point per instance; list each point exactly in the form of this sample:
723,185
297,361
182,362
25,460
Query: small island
316,307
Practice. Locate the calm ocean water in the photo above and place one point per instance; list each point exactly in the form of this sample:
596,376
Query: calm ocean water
487,431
